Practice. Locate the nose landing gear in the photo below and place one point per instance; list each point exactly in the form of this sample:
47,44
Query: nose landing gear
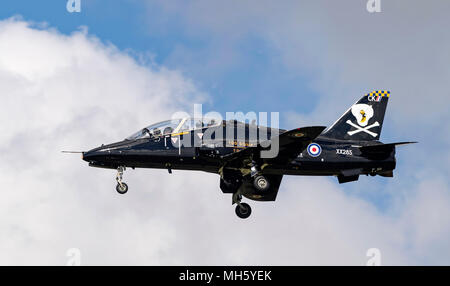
121,187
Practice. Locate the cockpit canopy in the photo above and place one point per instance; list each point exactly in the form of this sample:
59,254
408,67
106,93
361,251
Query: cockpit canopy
174,126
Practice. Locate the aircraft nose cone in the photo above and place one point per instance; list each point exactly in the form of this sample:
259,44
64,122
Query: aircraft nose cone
86,156
106,156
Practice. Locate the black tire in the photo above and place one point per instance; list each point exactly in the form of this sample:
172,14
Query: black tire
261,183
122,189
243,210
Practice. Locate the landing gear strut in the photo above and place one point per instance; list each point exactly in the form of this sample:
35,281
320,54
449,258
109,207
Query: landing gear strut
121,187
243,210
254,169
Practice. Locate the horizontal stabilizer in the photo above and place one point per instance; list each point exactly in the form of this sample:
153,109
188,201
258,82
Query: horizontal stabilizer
380,151
383,147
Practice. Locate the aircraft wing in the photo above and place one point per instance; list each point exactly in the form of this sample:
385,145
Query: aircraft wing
291,143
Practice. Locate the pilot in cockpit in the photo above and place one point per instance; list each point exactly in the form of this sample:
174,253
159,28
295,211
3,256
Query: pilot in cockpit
156,131
168,130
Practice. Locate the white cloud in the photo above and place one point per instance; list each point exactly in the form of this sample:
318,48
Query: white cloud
73,92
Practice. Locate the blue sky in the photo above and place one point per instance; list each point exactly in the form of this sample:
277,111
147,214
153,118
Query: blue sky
249,83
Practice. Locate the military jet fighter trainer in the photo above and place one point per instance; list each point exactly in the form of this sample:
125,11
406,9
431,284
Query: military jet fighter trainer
347,149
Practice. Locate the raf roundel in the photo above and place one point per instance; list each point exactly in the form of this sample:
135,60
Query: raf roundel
314,149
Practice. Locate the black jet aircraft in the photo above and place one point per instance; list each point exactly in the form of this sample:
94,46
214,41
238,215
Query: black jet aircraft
347,149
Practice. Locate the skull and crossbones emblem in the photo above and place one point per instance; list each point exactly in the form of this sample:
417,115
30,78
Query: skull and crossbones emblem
362,113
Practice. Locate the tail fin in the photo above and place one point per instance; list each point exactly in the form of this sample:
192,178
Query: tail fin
363,120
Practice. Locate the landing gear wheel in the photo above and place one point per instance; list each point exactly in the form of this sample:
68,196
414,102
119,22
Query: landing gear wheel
261,183
122,188
243,210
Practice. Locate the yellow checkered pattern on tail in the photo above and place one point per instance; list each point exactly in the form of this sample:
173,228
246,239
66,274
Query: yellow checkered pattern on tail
383,93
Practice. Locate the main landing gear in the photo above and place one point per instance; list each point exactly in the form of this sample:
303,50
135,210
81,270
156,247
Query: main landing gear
259,181
243,210
121,187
